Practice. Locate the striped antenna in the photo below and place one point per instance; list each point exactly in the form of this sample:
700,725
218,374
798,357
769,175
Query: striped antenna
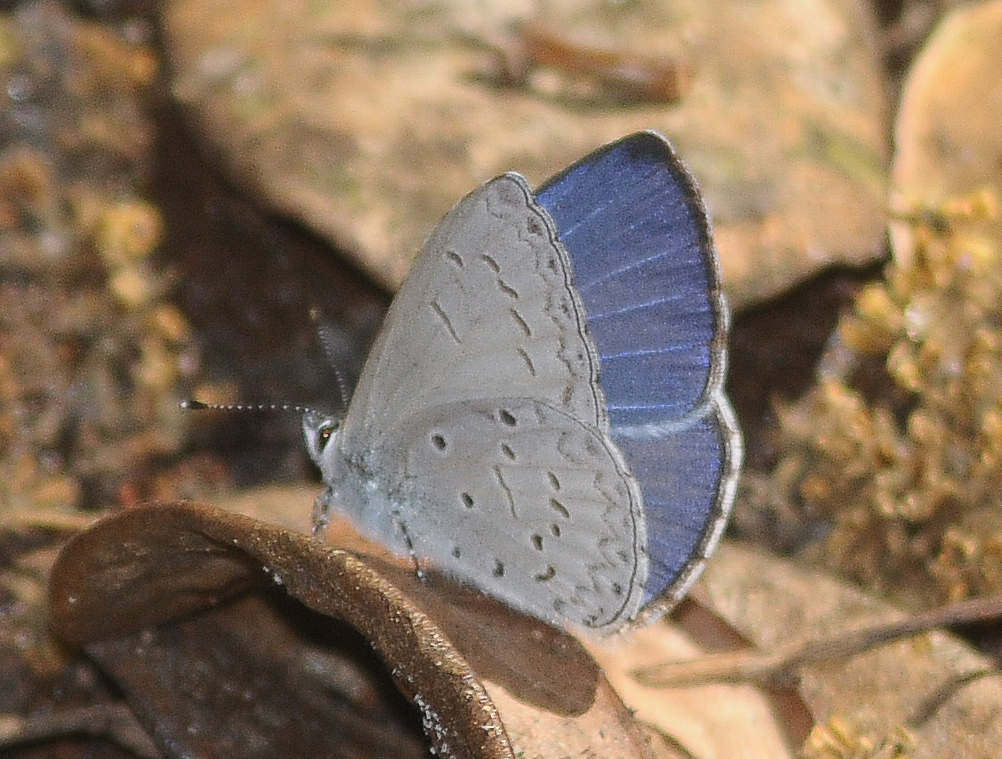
193,405
328,341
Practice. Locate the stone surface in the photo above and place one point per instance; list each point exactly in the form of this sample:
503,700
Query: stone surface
369,121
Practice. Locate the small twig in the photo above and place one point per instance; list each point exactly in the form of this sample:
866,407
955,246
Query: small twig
932,703
781,665
645,77
112,721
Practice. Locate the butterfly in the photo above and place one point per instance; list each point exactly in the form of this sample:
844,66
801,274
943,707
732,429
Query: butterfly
542,414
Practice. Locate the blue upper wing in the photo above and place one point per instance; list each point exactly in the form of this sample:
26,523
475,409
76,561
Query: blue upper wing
645,267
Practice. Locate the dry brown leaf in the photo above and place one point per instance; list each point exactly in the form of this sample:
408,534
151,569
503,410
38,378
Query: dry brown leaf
920,684
477,665
489,682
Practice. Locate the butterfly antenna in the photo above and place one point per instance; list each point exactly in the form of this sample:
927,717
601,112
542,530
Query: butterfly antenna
193,405
328,342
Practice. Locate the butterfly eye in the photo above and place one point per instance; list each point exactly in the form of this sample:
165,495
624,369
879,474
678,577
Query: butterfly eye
326,432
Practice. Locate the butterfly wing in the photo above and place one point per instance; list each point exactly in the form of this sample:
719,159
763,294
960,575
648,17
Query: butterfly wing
646,270
489,315
526,502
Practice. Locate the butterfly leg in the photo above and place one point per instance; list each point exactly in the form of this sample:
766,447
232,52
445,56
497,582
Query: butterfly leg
322,511
401,528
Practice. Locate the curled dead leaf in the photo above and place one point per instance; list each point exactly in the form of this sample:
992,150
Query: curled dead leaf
488,682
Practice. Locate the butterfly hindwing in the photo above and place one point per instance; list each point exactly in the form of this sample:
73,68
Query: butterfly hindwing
525,501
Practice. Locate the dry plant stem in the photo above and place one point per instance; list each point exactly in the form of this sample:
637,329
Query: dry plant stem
660,79
112,721
781,665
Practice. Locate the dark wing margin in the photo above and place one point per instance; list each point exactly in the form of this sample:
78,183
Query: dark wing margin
647,272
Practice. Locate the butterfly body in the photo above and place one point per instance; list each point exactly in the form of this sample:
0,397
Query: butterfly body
480,436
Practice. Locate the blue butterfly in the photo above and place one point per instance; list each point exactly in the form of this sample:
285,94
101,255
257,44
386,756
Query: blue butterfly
543,414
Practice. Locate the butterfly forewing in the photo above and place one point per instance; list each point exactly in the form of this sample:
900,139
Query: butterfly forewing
488,309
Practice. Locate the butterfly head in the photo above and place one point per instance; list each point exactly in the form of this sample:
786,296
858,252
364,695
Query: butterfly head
320,428
321,431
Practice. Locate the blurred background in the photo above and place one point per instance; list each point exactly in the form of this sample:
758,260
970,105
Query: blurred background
183,184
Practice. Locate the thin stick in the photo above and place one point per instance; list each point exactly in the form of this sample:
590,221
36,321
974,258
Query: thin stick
781,665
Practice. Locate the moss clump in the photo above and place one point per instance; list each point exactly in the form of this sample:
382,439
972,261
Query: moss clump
894,459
